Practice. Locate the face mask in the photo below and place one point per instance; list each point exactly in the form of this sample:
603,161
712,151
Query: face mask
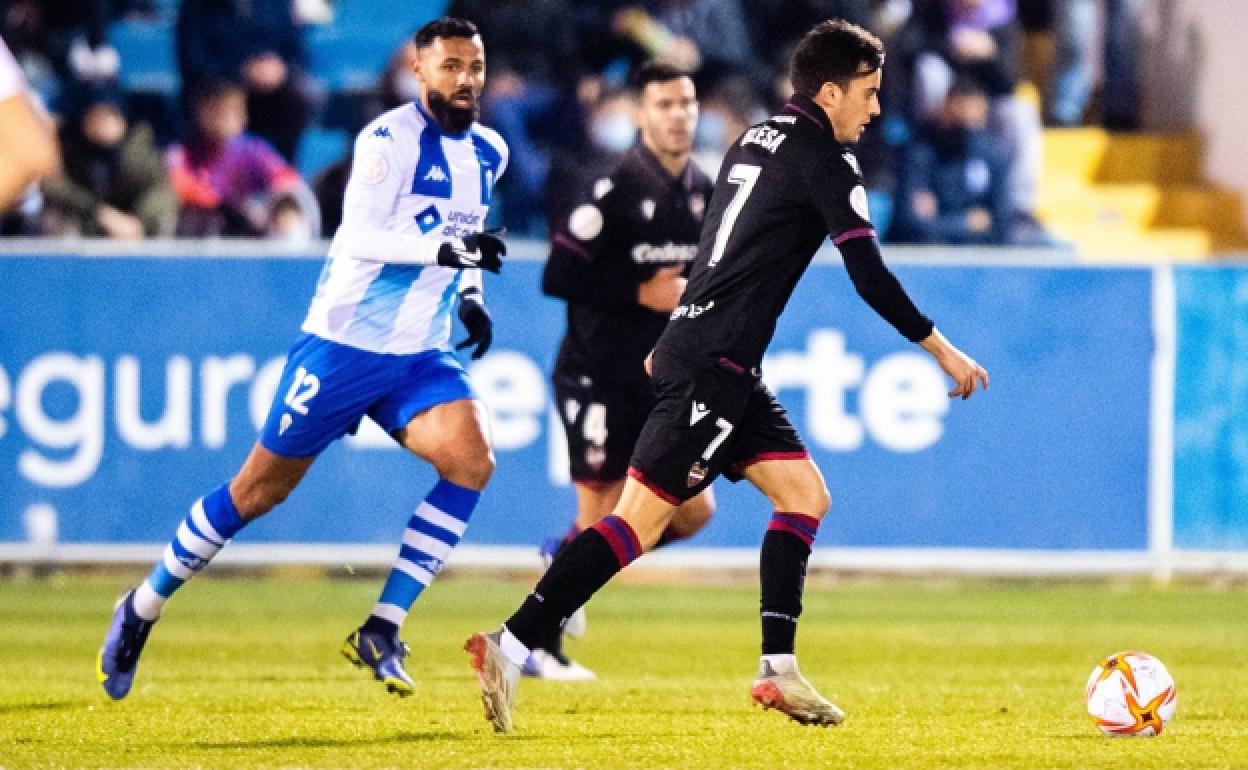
296,238
614,133
712,131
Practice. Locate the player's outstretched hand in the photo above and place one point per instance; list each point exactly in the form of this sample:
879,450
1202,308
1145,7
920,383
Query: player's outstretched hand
483,251
965,373
963,369
476,320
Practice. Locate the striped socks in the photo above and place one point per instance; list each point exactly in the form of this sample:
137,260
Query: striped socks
213,520
580,569
782,575
434,529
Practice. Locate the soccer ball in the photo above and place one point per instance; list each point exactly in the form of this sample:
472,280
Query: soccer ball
1131,693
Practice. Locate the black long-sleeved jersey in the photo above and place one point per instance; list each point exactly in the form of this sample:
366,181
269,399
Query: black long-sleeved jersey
631,223
785,186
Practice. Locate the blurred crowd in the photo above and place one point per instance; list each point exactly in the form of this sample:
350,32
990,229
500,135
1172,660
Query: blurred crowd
955,158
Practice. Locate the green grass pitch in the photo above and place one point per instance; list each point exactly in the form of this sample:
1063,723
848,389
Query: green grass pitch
245,673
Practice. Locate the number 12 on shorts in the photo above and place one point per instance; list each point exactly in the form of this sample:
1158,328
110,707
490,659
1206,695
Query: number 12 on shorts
303,388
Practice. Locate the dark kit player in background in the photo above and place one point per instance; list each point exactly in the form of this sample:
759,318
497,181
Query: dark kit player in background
619,258
785,185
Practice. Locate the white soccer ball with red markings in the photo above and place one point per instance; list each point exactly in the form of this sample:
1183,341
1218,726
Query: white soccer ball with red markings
1131,693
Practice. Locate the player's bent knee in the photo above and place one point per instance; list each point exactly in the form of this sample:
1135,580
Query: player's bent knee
812,500
821,503
694,515
470,469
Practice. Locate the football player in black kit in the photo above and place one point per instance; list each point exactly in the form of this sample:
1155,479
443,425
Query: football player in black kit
619,259
786,185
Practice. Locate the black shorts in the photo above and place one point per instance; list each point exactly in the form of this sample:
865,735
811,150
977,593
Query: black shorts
708,421
602,423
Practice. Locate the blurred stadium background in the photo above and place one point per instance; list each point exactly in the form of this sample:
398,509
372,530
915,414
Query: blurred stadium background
1087,246
1060,183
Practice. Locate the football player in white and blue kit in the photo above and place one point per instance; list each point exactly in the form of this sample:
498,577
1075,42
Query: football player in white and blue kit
375,342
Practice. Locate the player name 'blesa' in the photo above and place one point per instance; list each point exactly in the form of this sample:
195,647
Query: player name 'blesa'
764,136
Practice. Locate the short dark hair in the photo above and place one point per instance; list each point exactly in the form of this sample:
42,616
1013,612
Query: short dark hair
447,26
834,51
212,89
657,72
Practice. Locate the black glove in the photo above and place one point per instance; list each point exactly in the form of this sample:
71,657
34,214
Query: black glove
479,250
476,319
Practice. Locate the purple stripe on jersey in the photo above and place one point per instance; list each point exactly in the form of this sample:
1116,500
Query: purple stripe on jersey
796,108
563,240
860,232
620,536
798,524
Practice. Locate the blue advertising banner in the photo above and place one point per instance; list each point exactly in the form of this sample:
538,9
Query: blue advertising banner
1211,409
130,386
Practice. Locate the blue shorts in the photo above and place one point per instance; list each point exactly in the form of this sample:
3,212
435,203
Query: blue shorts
327,388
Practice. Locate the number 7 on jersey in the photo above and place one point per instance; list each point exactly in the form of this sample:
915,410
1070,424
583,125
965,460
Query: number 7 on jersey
744,176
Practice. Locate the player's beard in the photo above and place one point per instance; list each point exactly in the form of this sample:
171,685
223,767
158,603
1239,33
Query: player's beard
452,118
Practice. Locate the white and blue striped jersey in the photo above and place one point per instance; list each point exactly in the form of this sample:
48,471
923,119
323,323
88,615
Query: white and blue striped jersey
413,186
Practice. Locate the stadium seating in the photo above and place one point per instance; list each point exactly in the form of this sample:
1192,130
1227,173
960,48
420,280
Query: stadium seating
345,58
318,148
1135,195
350,59
370,14
147,56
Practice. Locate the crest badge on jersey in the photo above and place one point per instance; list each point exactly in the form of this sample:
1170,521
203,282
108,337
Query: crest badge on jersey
374,168
697,205
697,474
585,222
647,208
595,456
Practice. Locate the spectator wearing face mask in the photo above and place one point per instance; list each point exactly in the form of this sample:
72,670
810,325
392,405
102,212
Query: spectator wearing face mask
113,183
952,181
981,39
531,95
397,85
611,130
730,108
258,44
